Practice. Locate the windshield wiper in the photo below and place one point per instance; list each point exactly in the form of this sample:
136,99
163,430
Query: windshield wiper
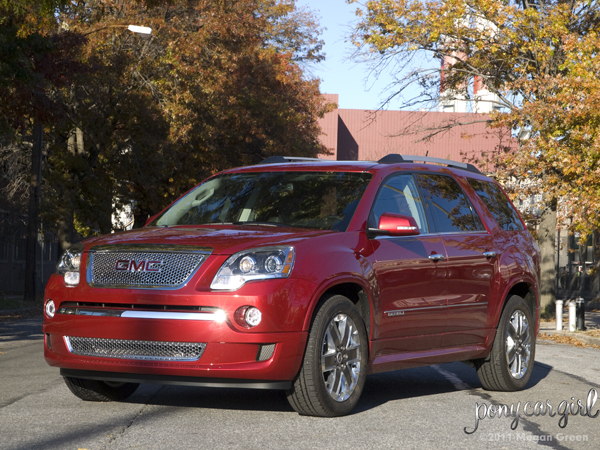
268,224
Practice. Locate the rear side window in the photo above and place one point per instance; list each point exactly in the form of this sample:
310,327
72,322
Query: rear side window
496,202
448,204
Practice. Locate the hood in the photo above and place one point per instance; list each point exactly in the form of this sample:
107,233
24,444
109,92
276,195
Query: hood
223,239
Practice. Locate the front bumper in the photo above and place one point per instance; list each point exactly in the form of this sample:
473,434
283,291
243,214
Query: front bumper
231,351
228,354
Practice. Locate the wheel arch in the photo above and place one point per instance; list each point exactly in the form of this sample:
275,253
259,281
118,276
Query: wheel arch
352,289
526,290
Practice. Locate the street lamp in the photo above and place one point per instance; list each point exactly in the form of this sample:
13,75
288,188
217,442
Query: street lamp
146,31
140,30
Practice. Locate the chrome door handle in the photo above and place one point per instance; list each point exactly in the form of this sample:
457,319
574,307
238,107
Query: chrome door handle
437,257
489,254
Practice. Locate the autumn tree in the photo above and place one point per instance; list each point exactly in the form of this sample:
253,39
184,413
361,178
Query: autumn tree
539,58
33,58
218,84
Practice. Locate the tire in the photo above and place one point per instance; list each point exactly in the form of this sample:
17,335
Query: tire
510,363
334,368
99,391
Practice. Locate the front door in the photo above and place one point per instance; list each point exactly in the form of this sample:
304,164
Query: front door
411,274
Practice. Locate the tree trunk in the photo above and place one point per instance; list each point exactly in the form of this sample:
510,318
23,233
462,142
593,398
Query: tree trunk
66,233
33,213
547,243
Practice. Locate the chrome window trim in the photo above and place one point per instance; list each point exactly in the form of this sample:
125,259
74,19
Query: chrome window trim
405,237
445,233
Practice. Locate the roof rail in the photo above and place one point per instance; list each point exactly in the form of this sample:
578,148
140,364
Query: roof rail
394,158
278,159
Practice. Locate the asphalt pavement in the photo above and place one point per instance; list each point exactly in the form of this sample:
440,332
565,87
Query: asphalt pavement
421,408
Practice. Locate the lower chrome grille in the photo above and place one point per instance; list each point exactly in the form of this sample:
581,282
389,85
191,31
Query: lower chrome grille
130,349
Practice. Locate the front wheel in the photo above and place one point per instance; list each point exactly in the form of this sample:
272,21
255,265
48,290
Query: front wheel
100,391
333,371
511,360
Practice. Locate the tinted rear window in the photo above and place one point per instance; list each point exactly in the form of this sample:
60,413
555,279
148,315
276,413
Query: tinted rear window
449,205
496,202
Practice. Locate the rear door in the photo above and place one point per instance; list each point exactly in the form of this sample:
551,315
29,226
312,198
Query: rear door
471,258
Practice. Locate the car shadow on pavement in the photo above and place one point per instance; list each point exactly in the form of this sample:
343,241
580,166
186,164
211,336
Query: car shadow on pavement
428,380
379,389
215,398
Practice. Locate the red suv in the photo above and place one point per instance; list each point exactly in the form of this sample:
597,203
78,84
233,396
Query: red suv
303,275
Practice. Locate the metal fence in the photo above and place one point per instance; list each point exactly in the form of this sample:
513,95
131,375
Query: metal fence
12,255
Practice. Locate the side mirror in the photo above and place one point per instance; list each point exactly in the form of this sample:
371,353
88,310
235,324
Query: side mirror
396,225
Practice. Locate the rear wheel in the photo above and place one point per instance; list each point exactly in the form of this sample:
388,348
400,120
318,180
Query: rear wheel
100,391
333,371
511,359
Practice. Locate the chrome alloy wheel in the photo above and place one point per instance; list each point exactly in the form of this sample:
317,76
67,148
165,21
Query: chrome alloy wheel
340,357
518,344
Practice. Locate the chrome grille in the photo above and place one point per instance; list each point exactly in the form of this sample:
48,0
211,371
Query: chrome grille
129,349
120,268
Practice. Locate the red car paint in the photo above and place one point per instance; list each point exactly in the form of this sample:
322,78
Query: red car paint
417,310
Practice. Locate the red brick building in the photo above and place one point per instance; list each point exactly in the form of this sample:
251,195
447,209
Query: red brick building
356,134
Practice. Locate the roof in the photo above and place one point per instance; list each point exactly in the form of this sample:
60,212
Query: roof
407,162
355,134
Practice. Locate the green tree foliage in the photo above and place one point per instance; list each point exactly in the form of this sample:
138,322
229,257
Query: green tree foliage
539,57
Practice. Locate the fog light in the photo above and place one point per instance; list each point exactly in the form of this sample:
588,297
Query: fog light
50,308
247,316
72,278
253,316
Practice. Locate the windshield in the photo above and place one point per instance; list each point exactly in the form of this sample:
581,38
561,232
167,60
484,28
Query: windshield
317,200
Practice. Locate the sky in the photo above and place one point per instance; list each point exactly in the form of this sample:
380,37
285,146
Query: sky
339,75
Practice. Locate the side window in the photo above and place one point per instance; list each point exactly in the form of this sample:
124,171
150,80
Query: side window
399,195
449,206
496,202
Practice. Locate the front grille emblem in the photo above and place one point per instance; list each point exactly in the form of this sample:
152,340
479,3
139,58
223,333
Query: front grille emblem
131,265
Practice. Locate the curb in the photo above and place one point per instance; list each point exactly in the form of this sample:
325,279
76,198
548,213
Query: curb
580,336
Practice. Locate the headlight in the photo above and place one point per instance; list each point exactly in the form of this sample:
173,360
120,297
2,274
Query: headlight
258,264
70,263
